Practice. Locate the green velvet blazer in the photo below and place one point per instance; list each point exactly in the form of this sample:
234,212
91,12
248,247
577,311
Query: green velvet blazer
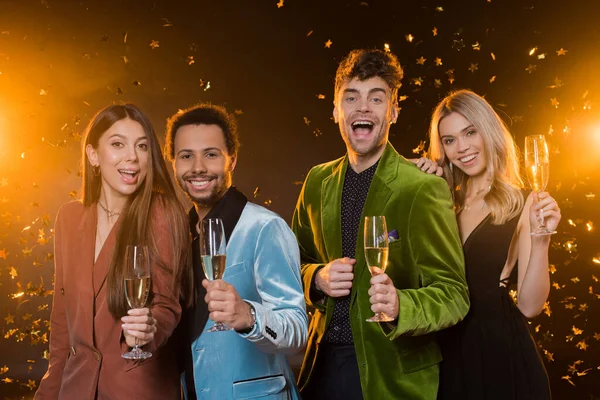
396,360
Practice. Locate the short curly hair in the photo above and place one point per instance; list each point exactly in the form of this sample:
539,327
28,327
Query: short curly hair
203,114
365,64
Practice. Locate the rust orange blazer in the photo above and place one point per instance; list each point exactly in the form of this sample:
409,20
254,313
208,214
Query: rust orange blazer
85,339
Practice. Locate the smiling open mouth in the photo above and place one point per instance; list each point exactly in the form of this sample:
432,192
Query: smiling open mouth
468,158
128,174
362,127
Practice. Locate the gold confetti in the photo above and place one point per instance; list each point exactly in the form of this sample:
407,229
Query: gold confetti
154,44
554,102
13,272
476,46
321,96
438,62
561,52
576,331
280,4
474,67
549,356
417,81
541,56
328,44
410,38
434,31
532,51
386,47
43,92
582,345
493,79
420,148
596,336
531,68
421,60
439,9
493,56
4,254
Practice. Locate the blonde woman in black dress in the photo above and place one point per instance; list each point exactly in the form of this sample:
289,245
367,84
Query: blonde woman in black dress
491,354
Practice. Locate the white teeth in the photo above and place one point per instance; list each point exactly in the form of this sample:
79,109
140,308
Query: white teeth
199,183
131,173
362,123
467,159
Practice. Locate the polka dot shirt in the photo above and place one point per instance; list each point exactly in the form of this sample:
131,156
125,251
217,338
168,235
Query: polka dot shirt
354,195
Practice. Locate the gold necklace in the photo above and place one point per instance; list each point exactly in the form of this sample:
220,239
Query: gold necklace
467,206
108,212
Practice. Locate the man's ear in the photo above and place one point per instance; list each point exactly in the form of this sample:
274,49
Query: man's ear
335,113
92,155
233,163
394,114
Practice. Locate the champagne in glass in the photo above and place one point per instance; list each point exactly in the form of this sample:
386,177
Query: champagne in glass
212,253
537,164
376,253
137,287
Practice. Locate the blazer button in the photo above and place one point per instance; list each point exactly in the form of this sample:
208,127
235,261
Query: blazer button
73,350
62,291
97,356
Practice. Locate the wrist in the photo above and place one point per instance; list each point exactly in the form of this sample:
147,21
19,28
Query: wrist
251,319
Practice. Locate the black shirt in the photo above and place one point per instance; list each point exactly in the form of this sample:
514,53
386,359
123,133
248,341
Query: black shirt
354,195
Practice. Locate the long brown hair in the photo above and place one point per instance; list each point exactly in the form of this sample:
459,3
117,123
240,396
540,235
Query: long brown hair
137,226
505,198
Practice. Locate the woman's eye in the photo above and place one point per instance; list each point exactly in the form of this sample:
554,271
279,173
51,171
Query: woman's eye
143,146
117,144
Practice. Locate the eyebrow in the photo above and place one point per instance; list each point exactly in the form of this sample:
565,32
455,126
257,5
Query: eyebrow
374,90
201,150
125,138
466,128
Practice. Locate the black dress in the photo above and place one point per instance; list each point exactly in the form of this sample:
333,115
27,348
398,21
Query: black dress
490,354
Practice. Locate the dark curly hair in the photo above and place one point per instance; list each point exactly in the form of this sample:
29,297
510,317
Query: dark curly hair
365,64
203,114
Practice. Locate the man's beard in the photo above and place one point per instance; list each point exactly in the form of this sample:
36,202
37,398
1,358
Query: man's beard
213,196
364,149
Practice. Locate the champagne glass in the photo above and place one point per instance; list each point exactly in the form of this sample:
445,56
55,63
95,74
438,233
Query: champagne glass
376,253
137,287
537,164
212,253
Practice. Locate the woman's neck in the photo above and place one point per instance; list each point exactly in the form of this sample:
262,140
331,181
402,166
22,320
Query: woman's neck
112,205
478,184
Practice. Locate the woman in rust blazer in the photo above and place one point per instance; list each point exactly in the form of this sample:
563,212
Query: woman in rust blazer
128,198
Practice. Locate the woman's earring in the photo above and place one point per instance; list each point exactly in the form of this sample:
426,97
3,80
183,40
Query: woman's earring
451,167
96,170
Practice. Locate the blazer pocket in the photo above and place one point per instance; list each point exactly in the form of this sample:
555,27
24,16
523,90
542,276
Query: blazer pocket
421,357
396,244
234,269
270,387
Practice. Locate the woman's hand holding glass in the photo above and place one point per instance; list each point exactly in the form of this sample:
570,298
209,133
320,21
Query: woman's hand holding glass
544,210
140,324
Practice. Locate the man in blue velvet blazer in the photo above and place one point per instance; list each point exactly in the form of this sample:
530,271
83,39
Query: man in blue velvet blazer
260,295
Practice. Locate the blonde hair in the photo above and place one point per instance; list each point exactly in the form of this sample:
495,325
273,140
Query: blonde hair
505,198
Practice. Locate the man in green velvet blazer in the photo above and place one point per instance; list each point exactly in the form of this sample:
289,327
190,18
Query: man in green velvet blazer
424,287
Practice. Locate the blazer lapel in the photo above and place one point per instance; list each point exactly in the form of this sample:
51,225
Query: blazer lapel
86,235
331,210
377,199
102,263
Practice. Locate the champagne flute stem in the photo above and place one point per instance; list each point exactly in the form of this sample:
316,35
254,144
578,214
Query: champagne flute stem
542,221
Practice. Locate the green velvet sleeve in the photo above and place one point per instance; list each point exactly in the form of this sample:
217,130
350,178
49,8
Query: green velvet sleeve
309,257
434,247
